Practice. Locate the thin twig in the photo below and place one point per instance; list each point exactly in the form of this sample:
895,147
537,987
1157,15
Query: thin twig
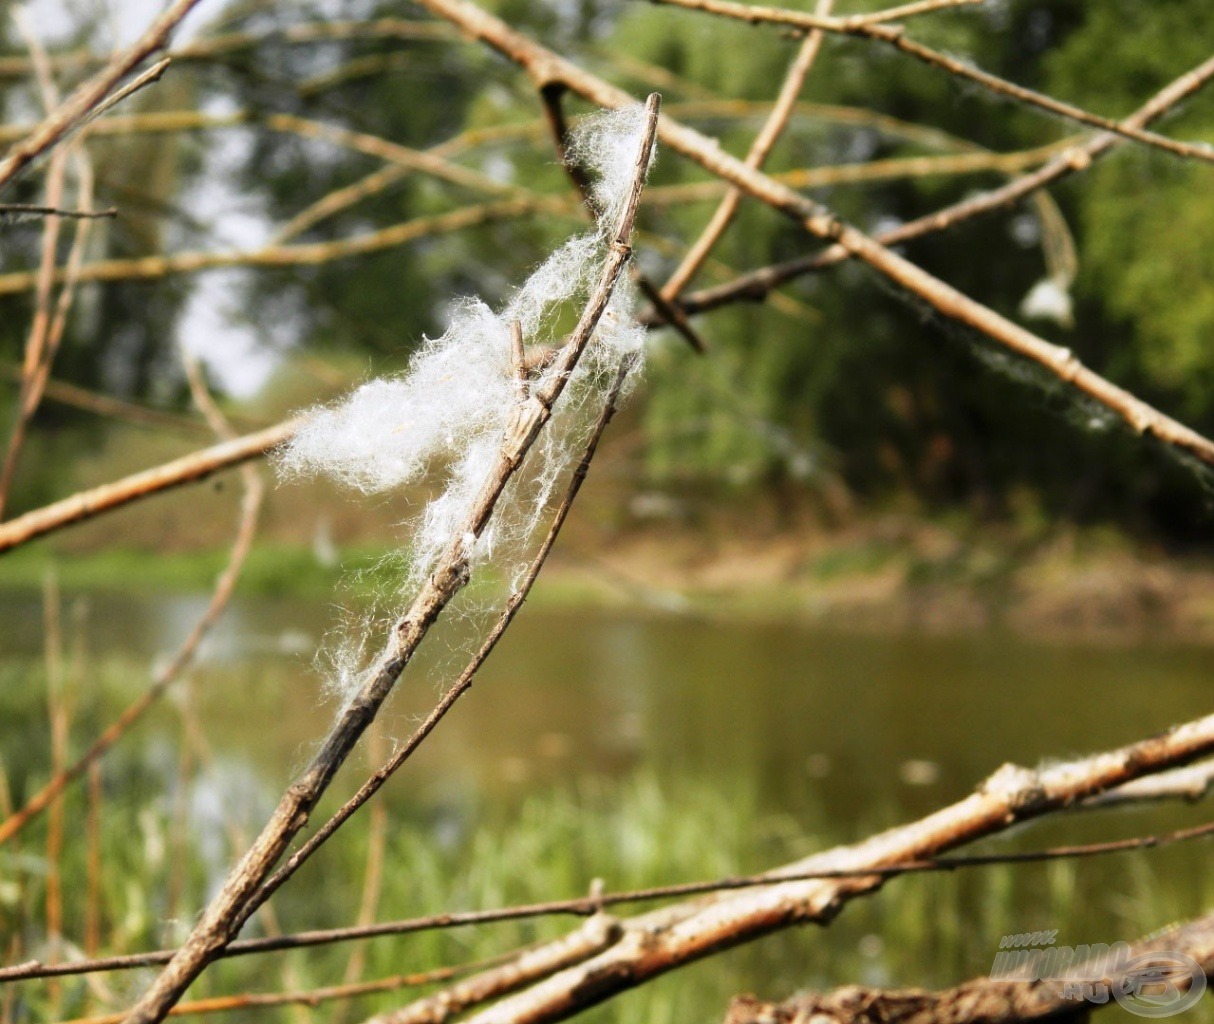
59,714
911,10
340,199
92,832
186,470
593,937
895,36
1189,784
148,268
431,161
891,169
213,47
756,285
587,906
76,397
142,81
22,211
760,148
554,113
36,341
219,922
372,873
311,997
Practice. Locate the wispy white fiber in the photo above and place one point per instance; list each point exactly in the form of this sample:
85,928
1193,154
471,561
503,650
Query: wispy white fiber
447,414
608,142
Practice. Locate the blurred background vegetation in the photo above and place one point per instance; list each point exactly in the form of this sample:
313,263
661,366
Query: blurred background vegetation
836,392
666,738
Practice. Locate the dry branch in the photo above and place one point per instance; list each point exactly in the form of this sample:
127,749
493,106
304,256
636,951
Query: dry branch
554,113
1191,784
186,470
148,268
892,169
913,10
37,341
21,211
756,156
547,68
895,36
980,1000
431,162
665,939
310,997
755,286
92,95
216,46
77,397
222,917
593,937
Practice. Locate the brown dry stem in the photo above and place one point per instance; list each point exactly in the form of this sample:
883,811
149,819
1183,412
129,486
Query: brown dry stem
896,37
223,916
546,67
756,285
760,149
982,1000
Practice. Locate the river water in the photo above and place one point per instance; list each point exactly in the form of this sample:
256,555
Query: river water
872,722
835,731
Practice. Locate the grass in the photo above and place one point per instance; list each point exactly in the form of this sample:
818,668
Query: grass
272,570
165,846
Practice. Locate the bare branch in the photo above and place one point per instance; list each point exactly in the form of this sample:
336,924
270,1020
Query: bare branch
106,405
222,917
28,211
188,469
311,997
596,935
910,10
896,37
148,268
76,109
760,148
214,47
545,66
756,285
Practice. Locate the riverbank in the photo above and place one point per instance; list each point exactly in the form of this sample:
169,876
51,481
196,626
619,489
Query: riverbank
898,572
884,572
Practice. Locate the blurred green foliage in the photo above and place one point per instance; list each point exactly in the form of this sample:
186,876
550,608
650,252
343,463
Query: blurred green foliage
842,382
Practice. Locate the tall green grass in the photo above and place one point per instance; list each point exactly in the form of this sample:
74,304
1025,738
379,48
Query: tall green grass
637,831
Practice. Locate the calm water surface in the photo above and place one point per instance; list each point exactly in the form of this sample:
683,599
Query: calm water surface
876,726
857,730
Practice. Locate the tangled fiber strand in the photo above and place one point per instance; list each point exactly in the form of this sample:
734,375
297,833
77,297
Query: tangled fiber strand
446,415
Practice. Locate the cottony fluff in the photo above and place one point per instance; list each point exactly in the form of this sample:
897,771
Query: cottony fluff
448,411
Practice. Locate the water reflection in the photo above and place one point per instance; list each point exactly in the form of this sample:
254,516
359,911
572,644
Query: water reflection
873,726
807,736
